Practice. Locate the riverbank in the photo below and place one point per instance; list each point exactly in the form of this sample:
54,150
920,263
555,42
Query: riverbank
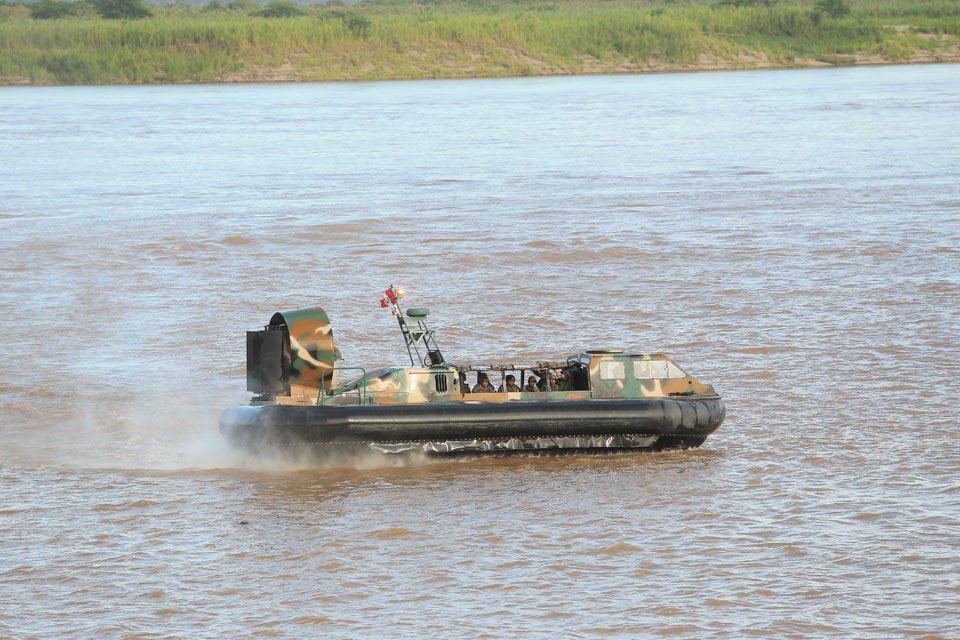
412,41
508,60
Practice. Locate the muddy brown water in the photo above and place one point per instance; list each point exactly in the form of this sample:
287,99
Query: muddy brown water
791,237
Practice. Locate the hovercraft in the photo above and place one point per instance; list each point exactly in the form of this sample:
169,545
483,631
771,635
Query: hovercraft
592,401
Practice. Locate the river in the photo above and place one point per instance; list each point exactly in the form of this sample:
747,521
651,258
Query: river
791,237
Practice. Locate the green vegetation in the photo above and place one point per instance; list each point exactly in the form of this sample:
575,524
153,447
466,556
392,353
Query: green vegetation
50,9
56,42
121,9
833,8
281,9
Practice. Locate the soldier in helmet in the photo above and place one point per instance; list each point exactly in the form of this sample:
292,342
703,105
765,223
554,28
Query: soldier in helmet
531,386
483,384
510,385
542,382
553,381
563,382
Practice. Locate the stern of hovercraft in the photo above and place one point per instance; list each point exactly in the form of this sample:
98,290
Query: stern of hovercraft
293,355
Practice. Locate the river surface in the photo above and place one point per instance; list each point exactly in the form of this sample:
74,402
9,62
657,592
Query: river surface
792,237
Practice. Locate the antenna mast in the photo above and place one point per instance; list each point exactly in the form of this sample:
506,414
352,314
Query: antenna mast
417,335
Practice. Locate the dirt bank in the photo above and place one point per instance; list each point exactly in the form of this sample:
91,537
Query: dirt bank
296,70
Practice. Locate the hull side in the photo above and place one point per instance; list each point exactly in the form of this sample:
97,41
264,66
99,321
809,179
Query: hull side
649,423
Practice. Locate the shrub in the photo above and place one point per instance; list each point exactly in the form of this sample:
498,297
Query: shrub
121,9
358,25
833,8
746,3
51,9
281,9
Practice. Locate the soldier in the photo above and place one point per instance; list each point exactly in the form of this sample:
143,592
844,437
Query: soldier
510,385
563,383
483,384
531,386
553,382
542,382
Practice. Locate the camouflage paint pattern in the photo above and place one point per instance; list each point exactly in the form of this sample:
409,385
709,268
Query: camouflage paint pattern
309,362
410,385
604,384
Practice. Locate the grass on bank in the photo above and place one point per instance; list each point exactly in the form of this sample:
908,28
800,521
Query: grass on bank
405,39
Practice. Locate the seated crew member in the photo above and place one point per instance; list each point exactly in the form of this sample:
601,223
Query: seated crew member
531,386
510,385
483,384
553,382
542,382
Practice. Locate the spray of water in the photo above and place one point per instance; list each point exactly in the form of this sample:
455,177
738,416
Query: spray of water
165,434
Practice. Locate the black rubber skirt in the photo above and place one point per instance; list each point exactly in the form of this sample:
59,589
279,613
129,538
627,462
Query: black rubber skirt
649,423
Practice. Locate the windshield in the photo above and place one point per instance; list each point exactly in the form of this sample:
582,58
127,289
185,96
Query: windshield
363,379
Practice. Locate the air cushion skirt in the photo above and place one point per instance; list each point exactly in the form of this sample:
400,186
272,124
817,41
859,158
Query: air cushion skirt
452,428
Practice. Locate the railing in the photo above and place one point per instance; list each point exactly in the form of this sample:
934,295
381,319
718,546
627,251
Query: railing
361,388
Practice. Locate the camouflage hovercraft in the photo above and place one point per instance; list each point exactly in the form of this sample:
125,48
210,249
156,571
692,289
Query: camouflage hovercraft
594,400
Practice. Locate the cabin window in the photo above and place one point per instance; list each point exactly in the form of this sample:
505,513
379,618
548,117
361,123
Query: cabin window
647,369
612,370
641,369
